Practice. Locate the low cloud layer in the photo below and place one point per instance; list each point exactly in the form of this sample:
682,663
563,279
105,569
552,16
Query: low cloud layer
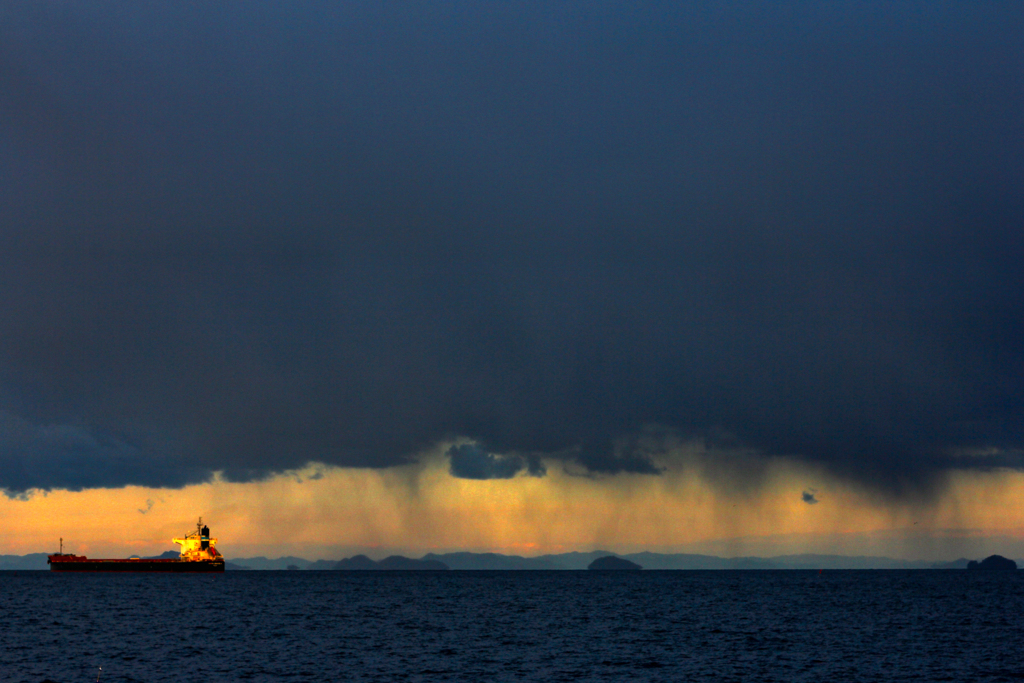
248,237
470,461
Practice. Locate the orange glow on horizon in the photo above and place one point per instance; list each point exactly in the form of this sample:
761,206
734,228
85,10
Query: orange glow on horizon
330,513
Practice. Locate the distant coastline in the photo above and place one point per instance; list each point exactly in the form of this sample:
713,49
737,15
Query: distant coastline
564,561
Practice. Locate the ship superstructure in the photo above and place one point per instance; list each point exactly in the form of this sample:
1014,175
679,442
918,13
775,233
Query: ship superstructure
198,546
198,554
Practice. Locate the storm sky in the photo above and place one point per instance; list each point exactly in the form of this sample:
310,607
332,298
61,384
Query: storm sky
242,236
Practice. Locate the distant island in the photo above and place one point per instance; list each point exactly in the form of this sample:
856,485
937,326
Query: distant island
393,563
563,561
462,561
612,563
993,562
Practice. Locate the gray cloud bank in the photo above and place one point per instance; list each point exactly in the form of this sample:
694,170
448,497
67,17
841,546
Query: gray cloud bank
240,236
470,461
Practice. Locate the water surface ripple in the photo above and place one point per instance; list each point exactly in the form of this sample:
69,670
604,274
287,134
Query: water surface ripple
511,626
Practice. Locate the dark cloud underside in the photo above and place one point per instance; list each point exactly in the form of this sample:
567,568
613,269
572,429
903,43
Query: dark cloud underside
470,461
240,236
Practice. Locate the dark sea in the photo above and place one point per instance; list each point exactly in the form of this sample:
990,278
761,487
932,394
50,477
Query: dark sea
901,625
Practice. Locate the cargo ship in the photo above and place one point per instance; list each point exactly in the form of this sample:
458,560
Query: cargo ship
198,554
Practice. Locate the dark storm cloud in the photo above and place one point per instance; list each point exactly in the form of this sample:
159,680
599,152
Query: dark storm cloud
470,461
239,236
76,457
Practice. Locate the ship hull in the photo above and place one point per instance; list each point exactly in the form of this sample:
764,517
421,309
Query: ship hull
171,566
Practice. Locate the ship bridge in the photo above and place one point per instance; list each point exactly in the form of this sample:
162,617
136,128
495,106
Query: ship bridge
198,545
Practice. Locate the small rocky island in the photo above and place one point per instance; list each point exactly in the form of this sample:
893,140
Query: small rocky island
393,563
610,562
993,562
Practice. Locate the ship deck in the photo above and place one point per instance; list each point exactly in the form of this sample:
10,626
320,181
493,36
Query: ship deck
82,564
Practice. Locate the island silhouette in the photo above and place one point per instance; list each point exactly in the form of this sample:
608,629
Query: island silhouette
993,562
610,562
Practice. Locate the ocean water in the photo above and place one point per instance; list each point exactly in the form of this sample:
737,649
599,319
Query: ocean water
513,626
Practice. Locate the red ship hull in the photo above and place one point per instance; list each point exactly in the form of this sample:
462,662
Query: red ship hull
77,563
